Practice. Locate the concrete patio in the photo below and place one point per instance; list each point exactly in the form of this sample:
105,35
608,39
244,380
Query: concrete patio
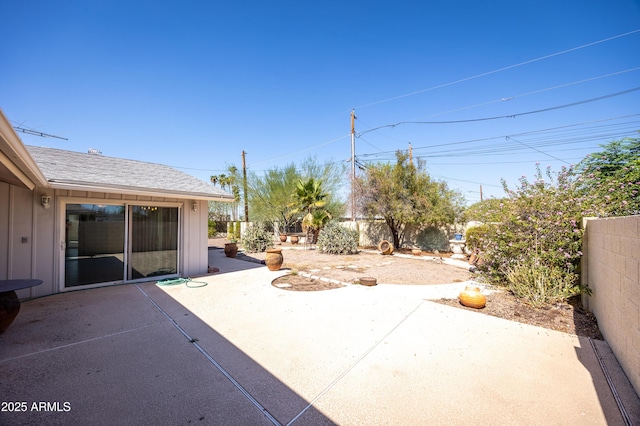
240,351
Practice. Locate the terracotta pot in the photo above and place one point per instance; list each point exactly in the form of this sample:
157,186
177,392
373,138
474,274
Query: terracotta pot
472,297
9,308
231,249
385,247
294,239
368,281
283,238
274,259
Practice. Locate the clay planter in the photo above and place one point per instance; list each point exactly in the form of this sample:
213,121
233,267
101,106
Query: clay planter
368,281
283,238
385,247
472,297
294,239
231,249
9,308
416,252
274,259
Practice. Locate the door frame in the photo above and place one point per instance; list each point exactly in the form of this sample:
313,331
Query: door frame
62,210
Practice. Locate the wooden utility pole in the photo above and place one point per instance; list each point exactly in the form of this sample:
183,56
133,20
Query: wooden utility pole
480,192
244,184
410,153
353,165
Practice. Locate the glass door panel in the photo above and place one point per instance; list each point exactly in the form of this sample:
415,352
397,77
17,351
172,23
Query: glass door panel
153,242
94,249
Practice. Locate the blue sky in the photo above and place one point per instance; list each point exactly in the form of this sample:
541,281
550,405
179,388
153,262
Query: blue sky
192,84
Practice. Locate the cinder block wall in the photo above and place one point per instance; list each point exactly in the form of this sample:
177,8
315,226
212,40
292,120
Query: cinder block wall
611,268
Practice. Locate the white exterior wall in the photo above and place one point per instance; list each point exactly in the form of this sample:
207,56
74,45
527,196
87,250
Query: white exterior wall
23,218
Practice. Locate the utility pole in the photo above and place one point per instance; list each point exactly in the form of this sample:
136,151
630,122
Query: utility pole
480,192
410,153
244,184
353,165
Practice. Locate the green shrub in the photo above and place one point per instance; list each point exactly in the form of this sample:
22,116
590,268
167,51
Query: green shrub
233,230
535,247
476,236
540,284
237,226
336,239
257,238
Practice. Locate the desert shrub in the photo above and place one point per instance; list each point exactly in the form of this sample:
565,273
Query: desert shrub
257,238
539,284
336,239
538,235
476,236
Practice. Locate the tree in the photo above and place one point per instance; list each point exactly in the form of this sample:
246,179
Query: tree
271,194
310,198
228,183
612,177
403,194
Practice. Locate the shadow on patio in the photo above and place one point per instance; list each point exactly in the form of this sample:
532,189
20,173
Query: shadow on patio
119,354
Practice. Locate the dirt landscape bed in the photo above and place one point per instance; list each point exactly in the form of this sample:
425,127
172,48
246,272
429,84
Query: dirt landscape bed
426,269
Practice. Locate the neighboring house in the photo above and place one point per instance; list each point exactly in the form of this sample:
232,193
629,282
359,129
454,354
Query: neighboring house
78,220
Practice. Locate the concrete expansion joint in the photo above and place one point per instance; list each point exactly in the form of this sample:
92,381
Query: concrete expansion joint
209,358
79,343
355,363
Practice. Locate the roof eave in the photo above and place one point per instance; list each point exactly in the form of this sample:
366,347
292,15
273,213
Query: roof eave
16,157
128,190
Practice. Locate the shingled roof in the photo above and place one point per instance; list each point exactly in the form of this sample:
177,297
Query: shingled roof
95,172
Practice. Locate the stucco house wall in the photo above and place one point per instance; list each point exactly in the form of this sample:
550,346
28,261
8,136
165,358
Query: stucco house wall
32,237
32,245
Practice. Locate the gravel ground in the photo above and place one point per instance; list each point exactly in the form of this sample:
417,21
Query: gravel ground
425,269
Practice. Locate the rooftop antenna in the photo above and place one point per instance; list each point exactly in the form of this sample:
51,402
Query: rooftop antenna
36,133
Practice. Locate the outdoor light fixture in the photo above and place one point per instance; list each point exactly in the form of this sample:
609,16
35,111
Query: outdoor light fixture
46,201
194,206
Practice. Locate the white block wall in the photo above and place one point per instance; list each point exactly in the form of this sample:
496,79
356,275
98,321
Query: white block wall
611,268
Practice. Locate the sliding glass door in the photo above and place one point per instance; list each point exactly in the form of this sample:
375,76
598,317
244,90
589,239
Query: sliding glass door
94,244
153,242
118,243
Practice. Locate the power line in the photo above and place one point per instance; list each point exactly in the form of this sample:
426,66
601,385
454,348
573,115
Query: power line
533,132
301,151
472,120
510,98
537,150
500,69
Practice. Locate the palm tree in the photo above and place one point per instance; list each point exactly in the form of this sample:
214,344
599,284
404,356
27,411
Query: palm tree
310,198
229,183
